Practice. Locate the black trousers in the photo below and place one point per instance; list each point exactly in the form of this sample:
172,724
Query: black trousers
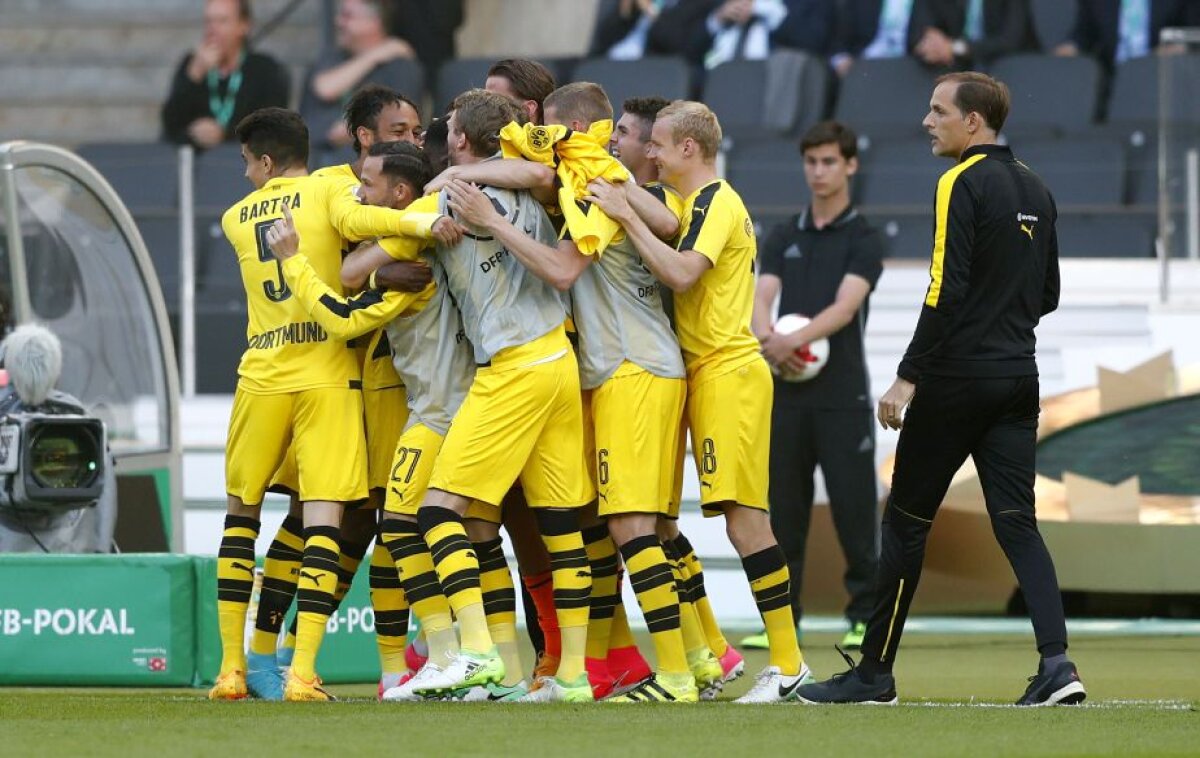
994,421
842,442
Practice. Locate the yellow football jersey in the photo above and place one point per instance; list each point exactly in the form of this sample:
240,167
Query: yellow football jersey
286,350
713,317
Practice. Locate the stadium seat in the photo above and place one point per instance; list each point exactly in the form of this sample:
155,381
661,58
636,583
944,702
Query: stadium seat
218,278
1077,171
220,179
161,235
665,77
1050,95
220,342
769,175
885,99
899,173
1135,101
144,174
737,92
457,76
1052,21
1107,236
905,236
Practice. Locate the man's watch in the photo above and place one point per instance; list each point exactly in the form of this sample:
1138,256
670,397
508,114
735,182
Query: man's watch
960,48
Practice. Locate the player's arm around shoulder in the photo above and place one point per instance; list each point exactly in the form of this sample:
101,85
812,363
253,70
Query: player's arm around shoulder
559,266
344,318
678,269
510,173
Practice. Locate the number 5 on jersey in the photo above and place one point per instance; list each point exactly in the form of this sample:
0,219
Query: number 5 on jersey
276,289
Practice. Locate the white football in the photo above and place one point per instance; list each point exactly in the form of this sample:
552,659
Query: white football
815,355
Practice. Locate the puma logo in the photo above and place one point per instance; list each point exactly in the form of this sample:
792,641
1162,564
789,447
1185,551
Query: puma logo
243,567
310,577
1028,230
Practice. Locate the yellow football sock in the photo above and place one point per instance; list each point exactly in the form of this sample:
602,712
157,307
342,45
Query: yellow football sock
391,611
235,583
693,572
419,578
500,605
458,570
652,579
572,586
694,640
602,556
281,569
769,581
314,597
621,635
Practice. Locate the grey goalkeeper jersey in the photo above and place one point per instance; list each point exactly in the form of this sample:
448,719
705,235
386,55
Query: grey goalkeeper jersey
502,303
433,357
618,312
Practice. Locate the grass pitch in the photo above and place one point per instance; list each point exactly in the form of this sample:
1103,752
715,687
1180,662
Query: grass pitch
1143,698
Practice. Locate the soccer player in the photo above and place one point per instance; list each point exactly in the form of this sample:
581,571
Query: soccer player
434,359
631,364
824,263
296,385
521,420
970,381
373,115
711,272
707,646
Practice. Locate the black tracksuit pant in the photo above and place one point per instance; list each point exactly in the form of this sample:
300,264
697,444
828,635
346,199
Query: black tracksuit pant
842,442
994,421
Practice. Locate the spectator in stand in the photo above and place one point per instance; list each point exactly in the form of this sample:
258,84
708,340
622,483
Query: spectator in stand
631,29
1113,31
749,29
222,80
364,53
967,33
873,29
429,27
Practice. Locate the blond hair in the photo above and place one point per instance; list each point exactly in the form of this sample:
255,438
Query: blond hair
696,121
580,101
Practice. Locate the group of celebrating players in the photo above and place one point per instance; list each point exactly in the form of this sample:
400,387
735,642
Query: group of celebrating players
500,349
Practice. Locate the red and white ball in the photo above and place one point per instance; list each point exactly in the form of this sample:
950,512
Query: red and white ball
814,355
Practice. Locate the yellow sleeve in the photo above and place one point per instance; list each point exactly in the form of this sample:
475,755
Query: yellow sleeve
356,221
401,248
346,318
710,230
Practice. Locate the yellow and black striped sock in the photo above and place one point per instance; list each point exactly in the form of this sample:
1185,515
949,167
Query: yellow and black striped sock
350,557
419,578
768,575
314,596
694,641
281,569
391,611
693,572
458,571
572,579
621,636
500,605
235,583
652,579
602,557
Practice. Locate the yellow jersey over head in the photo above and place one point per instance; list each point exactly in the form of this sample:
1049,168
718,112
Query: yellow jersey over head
713,317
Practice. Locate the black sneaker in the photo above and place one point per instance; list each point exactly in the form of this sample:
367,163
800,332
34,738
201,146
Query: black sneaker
849,687
1062,686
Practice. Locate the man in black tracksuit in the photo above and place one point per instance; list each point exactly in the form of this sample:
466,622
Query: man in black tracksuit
971,375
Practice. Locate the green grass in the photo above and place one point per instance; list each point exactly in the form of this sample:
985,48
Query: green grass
1143,700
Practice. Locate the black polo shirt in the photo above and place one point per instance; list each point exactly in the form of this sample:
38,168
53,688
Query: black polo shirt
811,263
